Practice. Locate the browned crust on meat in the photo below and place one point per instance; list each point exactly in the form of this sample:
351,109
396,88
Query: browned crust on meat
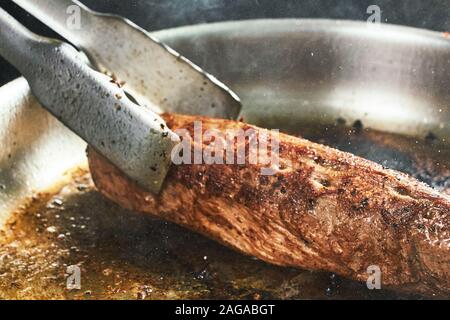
322,210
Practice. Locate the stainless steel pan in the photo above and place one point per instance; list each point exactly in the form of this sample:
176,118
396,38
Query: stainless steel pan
381,93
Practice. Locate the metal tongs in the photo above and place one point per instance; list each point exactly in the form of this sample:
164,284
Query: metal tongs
94,105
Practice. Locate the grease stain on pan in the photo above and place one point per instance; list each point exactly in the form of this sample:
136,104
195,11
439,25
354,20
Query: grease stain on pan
123,254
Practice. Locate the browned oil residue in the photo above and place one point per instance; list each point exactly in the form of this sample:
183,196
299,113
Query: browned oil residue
125,255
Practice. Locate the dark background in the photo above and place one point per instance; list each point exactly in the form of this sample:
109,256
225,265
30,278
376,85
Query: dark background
159,14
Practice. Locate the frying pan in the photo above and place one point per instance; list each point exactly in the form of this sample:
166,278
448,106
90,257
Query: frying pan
381,93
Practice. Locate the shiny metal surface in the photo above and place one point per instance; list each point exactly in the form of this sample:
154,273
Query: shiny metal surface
301,74
154,74
36,148
391,78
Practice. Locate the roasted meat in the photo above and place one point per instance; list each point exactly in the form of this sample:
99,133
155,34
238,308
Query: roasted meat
321,209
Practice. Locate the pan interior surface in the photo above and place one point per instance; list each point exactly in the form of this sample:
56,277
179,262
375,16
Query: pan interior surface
380,94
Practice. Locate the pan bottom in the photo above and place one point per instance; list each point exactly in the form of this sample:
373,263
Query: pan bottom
124,255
